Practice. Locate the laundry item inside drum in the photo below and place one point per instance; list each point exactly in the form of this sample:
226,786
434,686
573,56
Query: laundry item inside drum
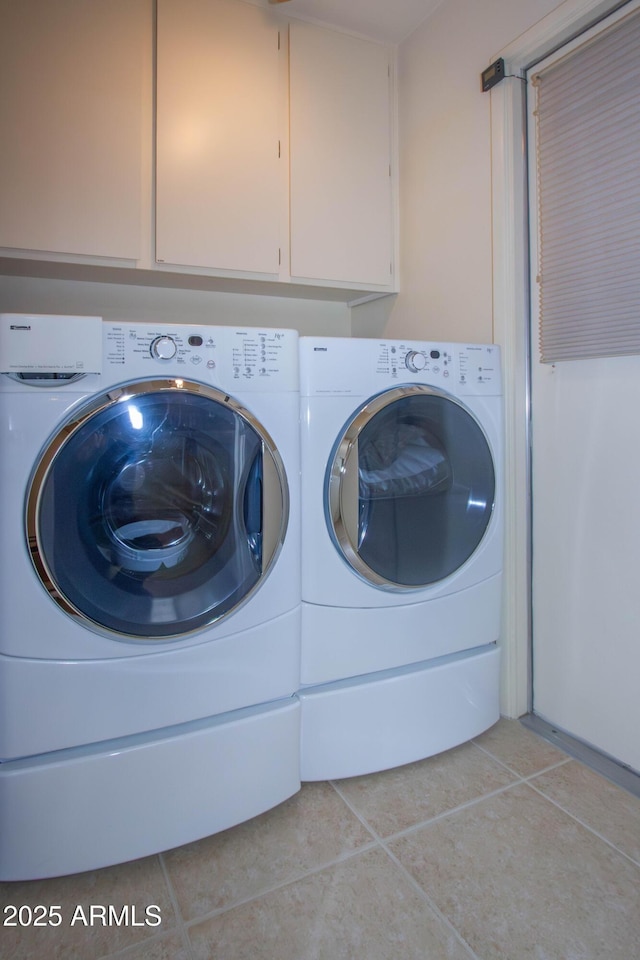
426,490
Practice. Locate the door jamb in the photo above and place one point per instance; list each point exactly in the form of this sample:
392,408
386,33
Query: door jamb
511,323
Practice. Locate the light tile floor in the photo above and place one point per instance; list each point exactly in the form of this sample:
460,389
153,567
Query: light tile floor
502,848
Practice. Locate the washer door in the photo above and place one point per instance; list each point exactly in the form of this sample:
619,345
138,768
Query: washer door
158,508
410,488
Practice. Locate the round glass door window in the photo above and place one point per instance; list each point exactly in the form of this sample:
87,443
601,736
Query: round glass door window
156,510
410,488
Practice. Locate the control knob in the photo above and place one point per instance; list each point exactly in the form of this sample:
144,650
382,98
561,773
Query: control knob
164,348
415,361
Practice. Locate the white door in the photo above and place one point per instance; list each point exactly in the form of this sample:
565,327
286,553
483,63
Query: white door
586,551
586,542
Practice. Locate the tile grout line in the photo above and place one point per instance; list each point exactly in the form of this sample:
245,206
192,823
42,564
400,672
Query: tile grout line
591,830
133,948
407,831
354,811
502,763
526,779
430,903
410,879
343,858
176,907
518,781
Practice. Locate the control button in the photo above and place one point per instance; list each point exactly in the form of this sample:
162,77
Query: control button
435,354
195,341
164,348
415,361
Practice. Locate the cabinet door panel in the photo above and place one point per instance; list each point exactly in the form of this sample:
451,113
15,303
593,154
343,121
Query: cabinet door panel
340,157
70,122
218,194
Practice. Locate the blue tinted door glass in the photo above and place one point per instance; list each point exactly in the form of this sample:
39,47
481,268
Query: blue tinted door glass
150,515
426,489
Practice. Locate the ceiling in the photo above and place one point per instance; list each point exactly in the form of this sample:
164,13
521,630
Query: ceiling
388,20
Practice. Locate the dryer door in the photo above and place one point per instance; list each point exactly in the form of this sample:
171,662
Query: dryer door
409,489
156,509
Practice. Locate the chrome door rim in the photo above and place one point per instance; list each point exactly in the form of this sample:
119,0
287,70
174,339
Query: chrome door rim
340,513
275,491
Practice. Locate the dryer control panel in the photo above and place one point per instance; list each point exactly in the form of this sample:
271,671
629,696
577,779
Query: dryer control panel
334,366
262,359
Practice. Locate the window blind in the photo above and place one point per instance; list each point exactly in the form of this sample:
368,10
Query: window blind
588,192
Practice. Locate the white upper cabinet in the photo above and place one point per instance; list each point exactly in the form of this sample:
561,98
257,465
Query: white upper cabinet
273,145
222,147
71,75
218,173
340,157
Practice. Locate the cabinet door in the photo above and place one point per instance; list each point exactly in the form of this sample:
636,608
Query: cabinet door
340,157
70,125
218,193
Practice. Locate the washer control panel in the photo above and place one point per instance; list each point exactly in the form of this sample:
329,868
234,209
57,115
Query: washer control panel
260,358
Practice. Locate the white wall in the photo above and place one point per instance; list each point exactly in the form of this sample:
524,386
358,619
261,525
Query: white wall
445,173
128,302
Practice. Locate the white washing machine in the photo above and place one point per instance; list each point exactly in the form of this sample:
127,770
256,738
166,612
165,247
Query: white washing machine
150,589
402,550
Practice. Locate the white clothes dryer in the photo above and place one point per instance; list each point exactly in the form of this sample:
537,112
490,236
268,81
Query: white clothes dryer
150,592
402,550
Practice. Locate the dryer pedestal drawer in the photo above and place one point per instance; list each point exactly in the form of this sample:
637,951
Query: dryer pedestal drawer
384,720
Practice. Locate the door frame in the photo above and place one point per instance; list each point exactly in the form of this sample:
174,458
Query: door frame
509,204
